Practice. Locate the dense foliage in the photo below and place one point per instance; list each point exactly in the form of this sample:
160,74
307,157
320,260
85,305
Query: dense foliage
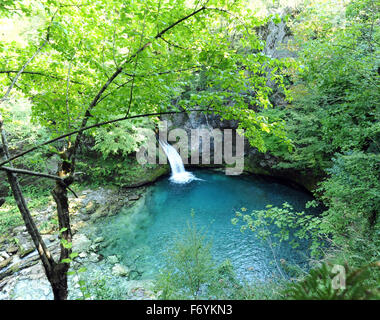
336,95
148,51
103,60
333,122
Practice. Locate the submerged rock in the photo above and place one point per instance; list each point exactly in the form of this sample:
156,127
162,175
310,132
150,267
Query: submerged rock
94,257
90,208
98,240
113,259
134,197
120,270
140,289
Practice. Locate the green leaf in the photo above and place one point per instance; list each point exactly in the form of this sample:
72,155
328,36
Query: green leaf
66,260
73,255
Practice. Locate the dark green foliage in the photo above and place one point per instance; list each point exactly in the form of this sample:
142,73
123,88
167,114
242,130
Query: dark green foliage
333,122
336,93
322,284
352,193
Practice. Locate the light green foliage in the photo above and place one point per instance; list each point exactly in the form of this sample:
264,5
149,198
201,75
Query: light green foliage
99,289
190,267
10,216
121,138
82,284
277,223
21,134
319,285
93,39
10,7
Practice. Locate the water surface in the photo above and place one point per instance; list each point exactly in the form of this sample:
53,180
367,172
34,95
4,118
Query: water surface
147,233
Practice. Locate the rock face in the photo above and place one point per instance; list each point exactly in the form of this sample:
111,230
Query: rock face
277,36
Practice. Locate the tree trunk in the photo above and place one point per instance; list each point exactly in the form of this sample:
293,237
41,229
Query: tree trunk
58,281
55,272
59,276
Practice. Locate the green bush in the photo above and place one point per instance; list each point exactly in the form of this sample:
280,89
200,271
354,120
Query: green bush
190,269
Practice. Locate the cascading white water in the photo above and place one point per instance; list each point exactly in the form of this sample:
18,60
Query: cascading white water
179,174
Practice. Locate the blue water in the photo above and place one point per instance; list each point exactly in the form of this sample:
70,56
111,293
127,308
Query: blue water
143,236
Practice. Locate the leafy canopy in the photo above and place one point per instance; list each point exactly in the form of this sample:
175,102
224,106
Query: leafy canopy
160,46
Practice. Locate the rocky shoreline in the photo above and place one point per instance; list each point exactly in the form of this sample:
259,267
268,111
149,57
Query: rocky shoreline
21,272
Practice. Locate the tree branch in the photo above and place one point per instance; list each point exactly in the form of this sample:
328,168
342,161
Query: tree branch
161,73
38,174
32,173
113,91
95,126
41,74
115,74
173,44
67,97
5,97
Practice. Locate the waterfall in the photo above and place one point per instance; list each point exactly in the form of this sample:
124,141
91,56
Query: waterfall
179,174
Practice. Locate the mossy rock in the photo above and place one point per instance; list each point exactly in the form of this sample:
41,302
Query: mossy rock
148,175
5,263
90,208
24,252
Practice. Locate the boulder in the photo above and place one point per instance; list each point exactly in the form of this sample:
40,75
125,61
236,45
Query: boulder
98,240
12,249
94,257
81,243
90,208
133,197
120,270
83,255
113,259
5,262
4,254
